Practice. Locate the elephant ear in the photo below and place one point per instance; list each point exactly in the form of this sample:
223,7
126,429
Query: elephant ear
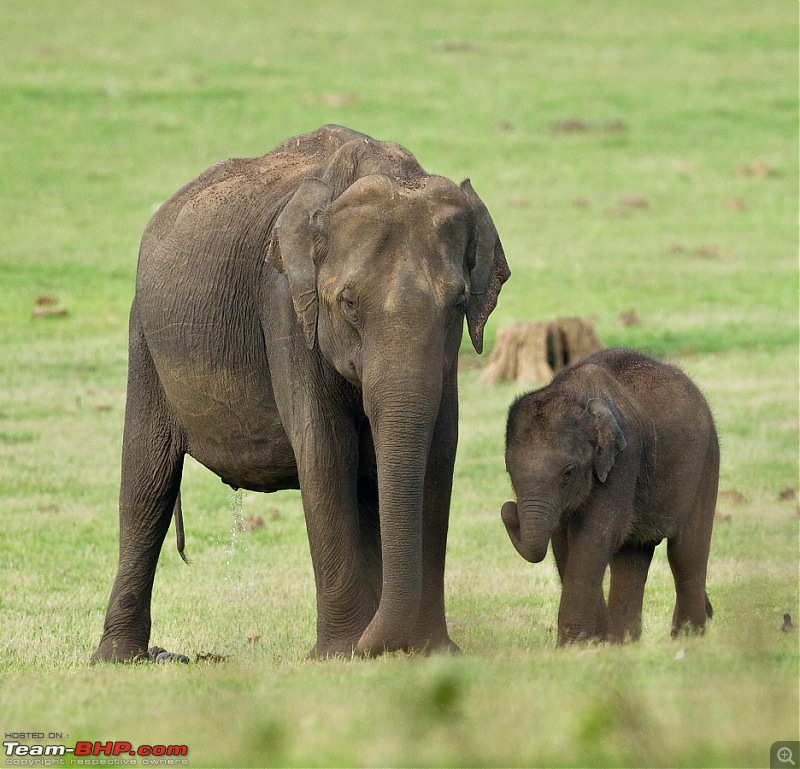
610,440
489,271
294,249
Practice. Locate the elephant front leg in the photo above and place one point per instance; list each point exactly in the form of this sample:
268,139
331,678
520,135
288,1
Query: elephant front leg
340,533
582,613
629,567
560,547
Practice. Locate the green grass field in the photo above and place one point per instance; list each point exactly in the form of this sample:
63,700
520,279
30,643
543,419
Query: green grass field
636,157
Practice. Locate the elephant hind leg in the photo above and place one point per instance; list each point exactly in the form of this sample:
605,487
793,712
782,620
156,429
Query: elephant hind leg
688,560
152,464
149,493
629,568
688,554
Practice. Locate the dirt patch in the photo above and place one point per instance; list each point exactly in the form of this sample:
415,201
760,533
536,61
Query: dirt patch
577,126
213,659
250,523
733,496
47,306
330,99
628,319
757,168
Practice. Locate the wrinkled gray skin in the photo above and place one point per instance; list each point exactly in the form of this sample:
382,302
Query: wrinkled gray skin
616,454
296,324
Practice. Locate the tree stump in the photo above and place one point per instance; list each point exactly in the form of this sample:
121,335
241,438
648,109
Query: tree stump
532,353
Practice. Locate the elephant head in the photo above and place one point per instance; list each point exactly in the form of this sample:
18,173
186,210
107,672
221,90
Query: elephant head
301,239
556,446
382,269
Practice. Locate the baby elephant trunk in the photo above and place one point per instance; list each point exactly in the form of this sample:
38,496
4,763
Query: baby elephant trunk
530,526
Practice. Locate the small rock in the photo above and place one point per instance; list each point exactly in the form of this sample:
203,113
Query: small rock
166,657
161,656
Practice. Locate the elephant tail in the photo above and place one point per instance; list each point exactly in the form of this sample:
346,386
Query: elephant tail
180,537
709,607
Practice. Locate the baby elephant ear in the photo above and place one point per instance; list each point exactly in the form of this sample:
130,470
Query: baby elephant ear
489,272
610,440
296,238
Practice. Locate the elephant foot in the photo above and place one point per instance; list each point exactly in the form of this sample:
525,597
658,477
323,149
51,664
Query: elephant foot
439,645
327,650
688,629
447,647
576,638
371,646
110,650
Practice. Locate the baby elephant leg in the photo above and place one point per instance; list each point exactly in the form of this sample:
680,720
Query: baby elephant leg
582,614
629,568
688,560
688,552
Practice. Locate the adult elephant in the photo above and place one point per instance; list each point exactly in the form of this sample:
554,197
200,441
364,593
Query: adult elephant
296,323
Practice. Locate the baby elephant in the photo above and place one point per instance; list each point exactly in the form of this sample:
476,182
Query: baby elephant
614,455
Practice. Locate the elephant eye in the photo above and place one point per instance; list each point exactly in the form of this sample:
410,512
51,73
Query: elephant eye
569,472
348,304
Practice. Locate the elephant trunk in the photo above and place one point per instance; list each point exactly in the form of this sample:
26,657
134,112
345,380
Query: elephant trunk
530,525
402,418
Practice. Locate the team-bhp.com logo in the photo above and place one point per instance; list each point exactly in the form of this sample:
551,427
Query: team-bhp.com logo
84,753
